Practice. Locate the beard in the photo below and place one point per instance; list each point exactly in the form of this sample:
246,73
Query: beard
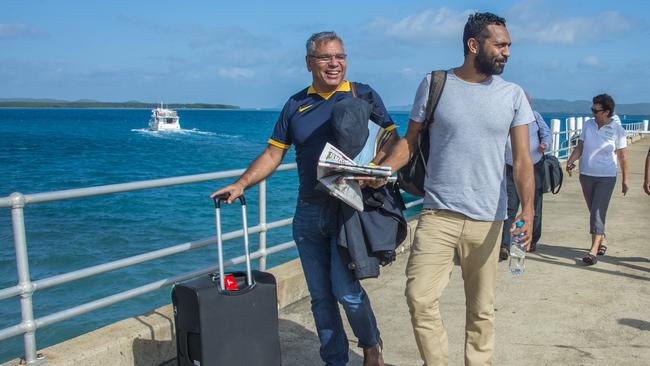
487,65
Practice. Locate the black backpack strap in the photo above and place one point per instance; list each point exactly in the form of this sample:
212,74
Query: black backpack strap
353,89
438,79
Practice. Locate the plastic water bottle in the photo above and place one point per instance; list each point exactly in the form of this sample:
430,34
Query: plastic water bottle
517,262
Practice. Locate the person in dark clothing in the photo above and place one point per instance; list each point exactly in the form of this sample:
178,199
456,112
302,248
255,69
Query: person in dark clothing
540,141
305,123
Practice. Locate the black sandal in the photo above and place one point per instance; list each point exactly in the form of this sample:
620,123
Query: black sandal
602,249
590,259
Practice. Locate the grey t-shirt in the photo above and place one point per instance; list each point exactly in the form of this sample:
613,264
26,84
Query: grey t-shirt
466,168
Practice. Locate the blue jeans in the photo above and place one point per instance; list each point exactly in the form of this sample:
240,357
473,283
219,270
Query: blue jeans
330,282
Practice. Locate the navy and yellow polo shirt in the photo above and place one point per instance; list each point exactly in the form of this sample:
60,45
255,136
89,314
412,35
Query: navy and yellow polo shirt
304,122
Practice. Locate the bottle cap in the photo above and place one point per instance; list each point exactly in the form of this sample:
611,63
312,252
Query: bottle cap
519,223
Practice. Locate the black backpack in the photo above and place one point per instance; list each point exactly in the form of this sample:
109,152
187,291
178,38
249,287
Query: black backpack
411,176
553,174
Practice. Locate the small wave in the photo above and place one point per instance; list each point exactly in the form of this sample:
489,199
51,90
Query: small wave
228,136
182,131
147,132
196,131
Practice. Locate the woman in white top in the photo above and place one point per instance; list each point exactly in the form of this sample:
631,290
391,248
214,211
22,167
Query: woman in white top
601,144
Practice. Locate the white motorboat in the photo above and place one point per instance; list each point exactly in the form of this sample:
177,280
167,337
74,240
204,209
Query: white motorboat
164,119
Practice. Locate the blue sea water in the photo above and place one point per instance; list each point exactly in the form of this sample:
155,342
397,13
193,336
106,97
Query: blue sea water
54,149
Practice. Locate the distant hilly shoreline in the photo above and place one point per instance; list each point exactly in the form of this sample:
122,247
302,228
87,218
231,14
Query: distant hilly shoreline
561,106
89,103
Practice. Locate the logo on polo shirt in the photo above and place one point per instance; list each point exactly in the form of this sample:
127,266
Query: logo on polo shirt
607,132
304,108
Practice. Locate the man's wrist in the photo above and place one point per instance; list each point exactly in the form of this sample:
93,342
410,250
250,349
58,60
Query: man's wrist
527,213
241,185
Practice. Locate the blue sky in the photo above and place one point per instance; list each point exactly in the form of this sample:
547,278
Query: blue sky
251,53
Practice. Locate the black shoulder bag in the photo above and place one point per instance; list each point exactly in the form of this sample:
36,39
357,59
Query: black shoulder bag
553,175
411,176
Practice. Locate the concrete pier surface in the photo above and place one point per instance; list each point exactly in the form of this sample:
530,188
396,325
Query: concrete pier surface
560,312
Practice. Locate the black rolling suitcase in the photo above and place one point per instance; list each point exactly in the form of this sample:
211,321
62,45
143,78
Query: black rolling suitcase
218,325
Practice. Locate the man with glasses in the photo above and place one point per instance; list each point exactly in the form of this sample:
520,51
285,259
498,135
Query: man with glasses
465,193
305,123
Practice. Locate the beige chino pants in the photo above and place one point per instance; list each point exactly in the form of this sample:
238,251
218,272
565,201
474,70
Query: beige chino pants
438,235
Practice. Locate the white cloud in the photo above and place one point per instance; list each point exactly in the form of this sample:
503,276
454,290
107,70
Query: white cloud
408,71
554,30
429,26
526,21
591,62
18,30
235,73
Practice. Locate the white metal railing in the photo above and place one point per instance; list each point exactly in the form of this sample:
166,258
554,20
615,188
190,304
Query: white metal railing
564,139
563,142
636,128
26,287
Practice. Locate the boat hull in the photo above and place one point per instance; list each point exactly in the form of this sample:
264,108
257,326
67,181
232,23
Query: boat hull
162,126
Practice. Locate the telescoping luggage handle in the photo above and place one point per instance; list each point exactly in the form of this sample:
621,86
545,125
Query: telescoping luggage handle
217,206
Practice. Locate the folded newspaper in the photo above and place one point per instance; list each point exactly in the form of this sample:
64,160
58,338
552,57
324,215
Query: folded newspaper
339,174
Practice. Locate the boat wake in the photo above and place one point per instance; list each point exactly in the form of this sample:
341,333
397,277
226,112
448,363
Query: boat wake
167,133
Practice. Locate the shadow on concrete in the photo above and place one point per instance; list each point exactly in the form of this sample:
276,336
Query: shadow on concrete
147,352
580,350
552,253
300,346
635,323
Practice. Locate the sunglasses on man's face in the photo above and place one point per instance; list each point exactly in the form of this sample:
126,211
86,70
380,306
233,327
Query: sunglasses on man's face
596,111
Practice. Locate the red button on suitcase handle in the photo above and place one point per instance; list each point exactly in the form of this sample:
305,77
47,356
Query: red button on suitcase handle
231,283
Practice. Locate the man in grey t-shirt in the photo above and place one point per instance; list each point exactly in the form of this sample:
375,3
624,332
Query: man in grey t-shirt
465,194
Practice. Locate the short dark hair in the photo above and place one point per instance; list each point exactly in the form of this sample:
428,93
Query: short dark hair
605,101
475,27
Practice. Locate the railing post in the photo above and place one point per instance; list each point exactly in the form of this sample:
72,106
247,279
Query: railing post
555,131
571,127
24,281
579,122
645,125
262,222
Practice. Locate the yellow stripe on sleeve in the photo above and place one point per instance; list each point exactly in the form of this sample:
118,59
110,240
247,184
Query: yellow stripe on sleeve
390,128
279,144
